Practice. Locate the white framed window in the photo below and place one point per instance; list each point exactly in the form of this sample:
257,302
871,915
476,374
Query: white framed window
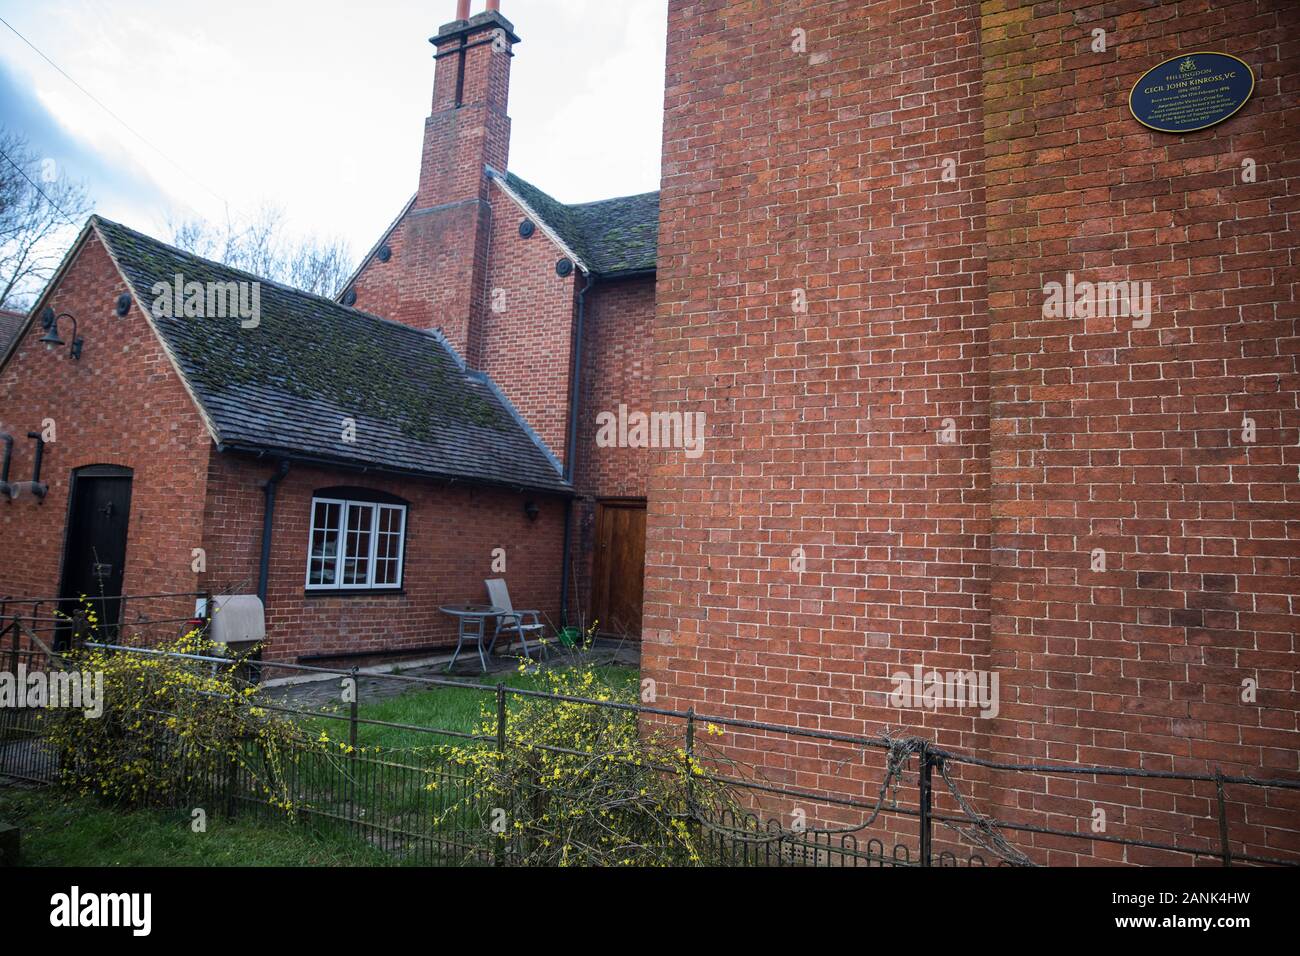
355,545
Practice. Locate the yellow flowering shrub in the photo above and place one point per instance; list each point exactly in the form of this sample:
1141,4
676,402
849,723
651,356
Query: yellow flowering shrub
581,785
173,731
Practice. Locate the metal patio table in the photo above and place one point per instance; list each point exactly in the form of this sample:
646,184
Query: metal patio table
471,622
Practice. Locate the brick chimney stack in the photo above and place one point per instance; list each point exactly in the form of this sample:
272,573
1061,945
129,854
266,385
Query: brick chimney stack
445,262
468,127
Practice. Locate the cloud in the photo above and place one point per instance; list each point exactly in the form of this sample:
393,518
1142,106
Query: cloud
322,116
119,188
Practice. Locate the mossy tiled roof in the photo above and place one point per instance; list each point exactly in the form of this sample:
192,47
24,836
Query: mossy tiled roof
10,323
611,236
287,384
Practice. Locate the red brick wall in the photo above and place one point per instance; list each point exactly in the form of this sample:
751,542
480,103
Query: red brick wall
121,404
617,355
819,172
1129,440
527,324
428,283
450,535
824,171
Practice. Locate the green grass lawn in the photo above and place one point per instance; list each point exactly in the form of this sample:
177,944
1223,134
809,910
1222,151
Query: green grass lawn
58,830
63,831
454,708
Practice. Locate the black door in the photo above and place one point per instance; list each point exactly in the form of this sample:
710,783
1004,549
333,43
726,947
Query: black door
94,555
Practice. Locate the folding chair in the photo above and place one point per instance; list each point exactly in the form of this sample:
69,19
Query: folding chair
522,623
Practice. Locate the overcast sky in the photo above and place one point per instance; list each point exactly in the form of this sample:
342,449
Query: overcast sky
318,105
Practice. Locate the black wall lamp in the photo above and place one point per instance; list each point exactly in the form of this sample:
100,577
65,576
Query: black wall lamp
50,323
531,509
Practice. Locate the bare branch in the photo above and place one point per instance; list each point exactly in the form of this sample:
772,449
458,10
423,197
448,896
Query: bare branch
39,206
260,245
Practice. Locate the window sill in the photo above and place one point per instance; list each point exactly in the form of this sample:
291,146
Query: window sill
355,592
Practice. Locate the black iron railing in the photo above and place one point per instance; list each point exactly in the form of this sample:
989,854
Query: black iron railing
51,623
389,803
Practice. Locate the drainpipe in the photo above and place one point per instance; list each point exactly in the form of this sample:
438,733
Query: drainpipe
575,397
268,514
35,486
9,454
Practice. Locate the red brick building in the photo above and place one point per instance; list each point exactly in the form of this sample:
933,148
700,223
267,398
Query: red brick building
514,280
356,463
908,460
922,467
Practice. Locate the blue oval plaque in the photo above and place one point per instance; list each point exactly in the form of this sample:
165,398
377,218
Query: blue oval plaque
1191,91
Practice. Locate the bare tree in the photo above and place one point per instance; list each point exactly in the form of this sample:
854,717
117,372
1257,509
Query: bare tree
259,245
39,204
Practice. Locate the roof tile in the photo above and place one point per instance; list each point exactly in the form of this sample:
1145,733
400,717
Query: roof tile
612,236
287,384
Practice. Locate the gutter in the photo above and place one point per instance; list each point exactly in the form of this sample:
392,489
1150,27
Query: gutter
575,396
268,514
650,273
264,451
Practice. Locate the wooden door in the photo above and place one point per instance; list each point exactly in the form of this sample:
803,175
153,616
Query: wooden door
618,573
94,556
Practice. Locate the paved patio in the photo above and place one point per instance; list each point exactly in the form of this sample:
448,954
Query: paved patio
376,682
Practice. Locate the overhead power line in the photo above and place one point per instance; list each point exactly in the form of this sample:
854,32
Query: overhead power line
125,125
22,172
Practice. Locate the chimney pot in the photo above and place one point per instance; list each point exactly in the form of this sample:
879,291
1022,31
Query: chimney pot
462,9
493,5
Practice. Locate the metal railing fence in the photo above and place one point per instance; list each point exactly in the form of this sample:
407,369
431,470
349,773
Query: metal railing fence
389,803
